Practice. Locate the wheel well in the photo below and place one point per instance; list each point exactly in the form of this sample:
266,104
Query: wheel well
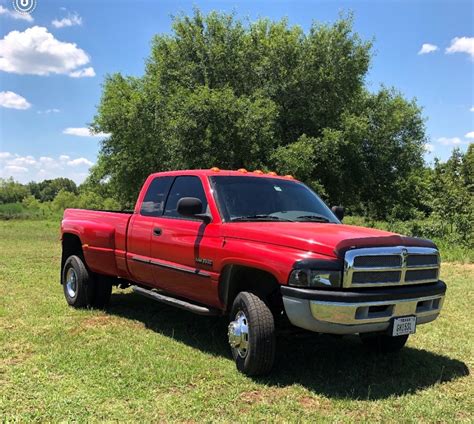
71,245
237,278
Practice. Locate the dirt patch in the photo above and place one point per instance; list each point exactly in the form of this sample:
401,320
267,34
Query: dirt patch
97,321
275,395
253,396
92,322
313,403
15,354
101,321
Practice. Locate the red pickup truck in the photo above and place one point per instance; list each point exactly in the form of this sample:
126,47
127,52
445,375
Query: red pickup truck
259,248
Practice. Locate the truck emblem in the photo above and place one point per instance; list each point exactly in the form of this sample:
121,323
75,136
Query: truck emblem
404,257
203,261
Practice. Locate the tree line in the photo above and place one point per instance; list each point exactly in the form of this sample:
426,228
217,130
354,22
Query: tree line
49,197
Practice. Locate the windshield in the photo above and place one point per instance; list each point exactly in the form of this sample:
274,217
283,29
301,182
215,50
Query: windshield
268,199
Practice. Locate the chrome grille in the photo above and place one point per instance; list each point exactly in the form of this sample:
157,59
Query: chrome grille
417,260
421,275
390,266
376,261
376,277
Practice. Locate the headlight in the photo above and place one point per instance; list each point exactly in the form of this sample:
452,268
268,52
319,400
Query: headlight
315,278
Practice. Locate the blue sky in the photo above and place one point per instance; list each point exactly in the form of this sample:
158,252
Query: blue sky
53,62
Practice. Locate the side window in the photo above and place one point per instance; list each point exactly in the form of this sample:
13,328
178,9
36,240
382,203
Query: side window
155,197
186,186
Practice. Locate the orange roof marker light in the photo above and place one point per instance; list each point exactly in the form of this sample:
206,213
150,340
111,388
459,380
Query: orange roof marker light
274,174
215,169
290,177
258,171
243,170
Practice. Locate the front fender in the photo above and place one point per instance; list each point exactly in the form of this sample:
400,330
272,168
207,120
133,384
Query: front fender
276,260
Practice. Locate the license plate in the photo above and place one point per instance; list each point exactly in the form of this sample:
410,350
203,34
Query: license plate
403,326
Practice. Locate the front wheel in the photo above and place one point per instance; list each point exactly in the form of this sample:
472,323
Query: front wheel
382,343
252,335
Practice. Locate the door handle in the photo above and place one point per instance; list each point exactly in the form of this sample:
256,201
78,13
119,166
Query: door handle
157,231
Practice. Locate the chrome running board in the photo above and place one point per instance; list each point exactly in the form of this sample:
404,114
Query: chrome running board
182,304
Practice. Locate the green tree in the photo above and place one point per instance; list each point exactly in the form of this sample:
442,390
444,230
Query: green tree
47,190
31,203
227,93
452,194
63,200
12,191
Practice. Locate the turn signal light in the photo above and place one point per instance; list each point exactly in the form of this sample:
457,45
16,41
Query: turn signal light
290,177
215,169
243,170
258,171
272,173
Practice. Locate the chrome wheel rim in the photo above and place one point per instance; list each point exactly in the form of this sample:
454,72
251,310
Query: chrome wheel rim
71,282
238,333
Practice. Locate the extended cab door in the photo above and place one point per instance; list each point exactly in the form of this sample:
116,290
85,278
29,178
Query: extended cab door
184,249
142,229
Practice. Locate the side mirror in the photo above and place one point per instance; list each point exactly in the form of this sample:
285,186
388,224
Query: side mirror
339,212
191,207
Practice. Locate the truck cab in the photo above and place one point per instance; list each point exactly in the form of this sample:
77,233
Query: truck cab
260,249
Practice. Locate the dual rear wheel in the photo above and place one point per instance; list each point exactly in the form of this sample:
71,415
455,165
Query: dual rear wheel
82,288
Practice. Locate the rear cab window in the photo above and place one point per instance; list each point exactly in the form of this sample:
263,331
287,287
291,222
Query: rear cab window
155,197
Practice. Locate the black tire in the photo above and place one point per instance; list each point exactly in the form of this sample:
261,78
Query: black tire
79,292
260,354
382,343
89,290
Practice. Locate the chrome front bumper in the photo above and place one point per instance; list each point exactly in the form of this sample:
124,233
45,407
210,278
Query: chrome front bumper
361,312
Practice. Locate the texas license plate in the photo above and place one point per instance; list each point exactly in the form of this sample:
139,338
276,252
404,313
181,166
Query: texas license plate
403,326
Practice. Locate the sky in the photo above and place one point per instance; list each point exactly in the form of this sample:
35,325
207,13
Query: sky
54,60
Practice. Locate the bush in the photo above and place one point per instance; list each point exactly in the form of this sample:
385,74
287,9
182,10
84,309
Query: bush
16,211
11,191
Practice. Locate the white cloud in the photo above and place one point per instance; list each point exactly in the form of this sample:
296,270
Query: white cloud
48,162
35,51
13,169
29,168
15,15
22,161
48,111
462,45
79,162
429,148
83,132
472,109
428,48
11,100
84,72
71,20
449,141
470,134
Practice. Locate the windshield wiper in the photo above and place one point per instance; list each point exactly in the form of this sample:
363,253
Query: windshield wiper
261,217
315,218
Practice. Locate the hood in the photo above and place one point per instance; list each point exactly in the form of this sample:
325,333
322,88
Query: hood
324,239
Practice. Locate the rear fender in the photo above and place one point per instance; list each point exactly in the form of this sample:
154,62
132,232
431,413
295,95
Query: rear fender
97,243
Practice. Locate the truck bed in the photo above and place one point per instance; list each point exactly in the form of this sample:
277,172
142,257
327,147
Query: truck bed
103,235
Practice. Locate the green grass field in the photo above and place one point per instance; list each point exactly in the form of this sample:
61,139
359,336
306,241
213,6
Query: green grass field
142,361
